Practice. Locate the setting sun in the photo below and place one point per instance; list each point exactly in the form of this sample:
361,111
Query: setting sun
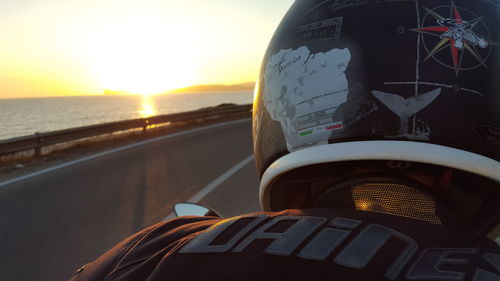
61,48
142,57
147,107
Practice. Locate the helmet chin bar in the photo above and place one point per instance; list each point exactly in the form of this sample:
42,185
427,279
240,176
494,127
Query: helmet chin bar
378,150
465,184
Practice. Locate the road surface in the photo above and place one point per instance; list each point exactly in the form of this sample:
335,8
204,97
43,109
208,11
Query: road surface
55,220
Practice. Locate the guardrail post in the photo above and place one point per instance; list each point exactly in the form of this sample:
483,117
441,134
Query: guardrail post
145,127
38,149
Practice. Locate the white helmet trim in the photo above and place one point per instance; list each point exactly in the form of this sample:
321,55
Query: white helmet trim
379,150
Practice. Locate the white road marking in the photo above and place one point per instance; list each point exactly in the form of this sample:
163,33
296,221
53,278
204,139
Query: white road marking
214,184
84,159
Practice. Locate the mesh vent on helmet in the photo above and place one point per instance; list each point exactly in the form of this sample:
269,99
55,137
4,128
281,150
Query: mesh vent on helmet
395,199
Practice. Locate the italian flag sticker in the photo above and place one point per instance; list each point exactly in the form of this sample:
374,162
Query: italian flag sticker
322,128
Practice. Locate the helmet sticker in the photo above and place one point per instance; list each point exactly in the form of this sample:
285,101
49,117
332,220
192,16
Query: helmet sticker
342,4
407,108
453,37
303,91
390,1
329,28
488,134
458,31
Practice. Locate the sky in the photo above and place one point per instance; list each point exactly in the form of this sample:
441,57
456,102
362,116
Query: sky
82,47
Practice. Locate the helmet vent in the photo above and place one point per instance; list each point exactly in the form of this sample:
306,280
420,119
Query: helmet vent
395,199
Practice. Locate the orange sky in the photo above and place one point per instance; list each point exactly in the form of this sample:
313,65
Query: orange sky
81,47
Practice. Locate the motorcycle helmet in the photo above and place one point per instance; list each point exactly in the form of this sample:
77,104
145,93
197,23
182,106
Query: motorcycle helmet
388,106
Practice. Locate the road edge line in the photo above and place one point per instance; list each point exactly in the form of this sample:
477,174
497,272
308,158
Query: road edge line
214,184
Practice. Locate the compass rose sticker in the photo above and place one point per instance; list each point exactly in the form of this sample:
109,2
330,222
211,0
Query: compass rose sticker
455,37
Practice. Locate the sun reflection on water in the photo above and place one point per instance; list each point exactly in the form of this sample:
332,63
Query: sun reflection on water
148,107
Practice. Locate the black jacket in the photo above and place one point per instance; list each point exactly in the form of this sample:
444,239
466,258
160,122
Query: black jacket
315,244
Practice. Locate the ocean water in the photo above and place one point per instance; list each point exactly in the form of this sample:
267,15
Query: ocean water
21,117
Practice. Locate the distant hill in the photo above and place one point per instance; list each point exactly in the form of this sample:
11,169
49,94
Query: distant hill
116,92
248,86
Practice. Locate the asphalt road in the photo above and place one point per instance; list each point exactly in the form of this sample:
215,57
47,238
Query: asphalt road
56,220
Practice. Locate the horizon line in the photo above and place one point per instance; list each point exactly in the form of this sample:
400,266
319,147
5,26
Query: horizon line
198,88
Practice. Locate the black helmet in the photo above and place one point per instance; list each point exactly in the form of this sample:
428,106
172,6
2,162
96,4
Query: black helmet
366,95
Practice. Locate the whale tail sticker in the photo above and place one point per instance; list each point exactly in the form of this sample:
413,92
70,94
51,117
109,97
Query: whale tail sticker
406,108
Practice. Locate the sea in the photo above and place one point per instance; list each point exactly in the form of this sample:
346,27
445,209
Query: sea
27,116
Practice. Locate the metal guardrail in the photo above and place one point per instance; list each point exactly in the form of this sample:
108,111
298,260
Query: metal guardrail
39,140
